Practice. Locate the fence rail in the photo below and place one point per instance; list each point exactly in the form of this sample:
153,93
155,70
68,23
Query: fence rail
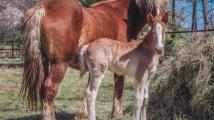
15,51
190,31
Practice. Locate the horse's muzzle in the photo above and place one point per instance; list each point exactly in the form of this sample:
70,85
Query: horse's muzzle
160,51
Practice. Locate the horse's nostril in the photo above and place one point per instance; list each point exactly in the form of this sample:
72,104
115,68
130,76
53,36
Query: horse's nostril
159,50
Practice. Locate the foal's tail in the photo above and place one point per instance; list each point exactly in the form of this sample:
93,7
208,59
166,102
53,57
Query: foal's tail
33,74
83,67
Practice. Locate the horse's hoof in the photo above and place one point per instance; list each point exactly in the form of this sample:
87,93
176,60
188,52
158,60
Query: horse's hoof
81,116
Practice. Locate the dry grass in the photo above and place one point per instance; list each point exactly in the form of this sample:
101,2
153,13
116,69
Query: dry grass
183,88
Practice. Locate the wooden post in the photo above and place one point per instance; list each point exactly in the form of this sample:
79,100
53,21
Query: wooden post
12,49
173,18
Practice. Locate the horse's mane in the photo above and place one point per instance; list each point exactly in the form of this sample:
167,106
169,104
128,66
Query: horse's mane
120,7
150,5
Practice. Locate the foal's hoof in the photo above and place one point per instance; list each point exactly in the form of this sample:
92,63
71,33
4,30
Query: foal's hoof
81,116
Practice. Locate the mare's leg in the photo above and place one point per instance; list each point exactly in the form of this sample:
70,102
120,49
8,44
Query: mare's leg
139,95
117,99
50,88
96,72
145,102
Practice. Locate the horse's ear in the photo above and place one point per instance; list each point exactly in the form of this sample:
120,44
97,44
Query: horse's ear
165,18
150,19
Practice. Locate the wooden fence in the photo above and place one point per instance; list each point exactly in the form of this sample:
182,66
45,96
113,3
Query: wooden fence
14,48
11,49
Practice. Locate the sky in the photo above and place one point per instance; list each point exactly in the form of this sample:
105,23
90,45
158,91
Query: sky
184,12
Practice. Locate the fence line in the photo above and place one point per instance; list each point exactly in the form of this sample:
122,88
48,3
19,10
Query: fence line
190,31
13,50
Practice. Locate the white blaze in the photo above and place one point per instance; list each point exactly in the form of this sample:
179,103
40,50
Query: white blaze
158,12
159,30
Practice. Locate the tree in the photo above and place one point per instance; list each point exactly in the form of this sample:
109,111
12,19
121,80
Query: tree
194,15
11,14
204,4
173,17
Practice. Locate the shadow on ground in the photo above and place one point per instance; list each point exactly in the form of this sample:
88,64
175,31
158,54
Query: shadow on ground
59,116
11,65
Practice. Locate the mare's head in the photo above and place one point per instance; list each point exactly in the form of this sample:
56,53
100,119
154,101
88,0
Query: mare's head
158,31
156,7
138,12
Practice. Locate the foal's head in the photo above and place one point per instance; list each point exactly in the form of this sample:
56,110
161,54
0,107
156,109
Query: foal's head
158,31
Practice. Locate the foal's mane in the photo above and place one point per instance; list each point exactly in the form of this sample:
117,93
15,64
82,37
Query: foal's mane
120,7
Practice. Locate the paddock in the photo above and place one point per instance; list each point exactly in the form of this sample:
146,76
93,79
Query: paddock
168,100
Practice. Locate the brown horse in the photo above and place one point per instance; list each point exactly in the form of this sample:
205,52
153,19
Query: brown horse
138,59
55,29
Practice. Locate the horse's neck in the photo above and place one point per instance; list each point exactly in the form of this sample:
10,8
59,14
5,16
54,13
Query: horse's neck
122,7
135,20
148,42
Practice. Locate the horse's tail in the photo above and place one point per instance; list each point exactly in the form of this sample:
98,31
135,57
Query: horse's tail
33,74
83,67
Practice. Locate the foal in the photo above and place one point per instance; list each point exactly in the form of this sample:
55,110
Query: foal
138,59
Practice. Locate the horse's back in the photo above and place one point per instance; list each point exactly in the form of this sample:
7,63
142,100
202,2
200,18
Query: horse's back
102,21
97,24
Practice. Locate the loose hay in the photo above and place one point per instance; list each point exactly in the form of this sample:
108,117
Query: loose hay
183,87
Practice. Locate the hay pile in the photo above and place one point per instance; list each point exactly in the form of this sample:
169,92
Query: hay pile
183,87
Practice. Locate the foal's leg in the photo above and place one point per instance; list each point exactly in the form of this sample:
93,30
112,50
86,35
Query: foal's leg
145,102
117,99
96,76
82,113
49,89
139,95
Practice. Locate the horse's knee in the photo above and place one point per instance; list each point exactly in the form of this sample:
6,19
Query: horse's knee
145,102
139,102
146,98
90,95
51,84
49,92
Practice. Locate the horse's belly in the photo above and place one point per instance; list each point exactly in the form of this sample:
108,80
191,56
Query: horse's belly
124,68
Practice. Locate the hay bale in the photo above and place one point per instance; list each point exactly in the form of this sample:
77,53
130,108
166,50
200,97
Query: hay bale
183,87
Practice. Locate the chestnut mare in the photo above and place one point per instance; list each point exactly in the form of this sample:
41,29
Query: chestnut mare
138,59
54,30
